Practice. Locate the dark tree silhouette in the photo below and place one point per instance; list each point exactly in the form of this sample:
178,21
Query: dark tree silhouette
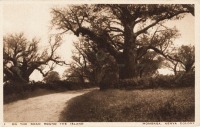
21,57
51,77
183,59
186,56
149,64
123,30
83,63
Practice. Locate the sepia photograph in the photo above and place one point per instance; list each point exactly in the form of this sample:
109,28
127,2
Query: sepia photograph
97,62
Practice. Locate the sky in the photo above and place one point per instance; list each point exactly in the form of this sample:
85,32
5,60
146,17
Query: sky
34,20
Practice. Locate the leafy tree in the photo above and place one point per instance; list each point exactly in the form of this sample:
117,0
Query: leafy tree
123,30
149,64
107,70
186,57
21,57
82,67
71,74
182,60
75,73
51,77
190,8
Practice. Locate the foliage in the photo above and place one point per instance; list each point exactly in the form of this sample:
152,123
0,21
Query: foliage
164,81
21,57
98,67
187,57
183,61
186,79
149,64
149,105
51,77
107,70
82,68
13,92
111,27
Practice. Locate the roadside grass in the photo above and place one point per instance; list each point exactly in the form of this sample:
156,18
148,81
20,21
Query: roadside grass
13,92
25,95
149,105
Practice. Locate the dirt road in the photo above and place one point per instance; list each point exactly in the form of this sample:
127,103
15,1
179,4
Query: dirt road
46,108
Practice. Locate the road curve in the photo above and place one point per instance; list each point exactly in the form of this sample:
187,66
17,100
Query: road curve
46,108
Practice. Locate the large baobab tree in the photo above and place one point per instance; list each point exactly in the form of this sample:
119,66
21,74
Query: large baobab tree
126,31
21,57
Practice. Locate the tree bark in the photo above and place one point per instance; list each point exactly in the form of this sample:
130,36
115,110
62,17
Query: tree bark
129,53
175,70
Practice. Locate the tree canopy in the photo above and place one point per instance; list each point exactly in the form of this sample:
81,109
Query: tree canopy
51,77
21,57
186,57
126,31
83,65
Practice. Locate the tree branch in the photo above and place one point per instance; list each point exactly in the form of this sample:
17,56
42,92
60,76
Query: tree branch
157,21
99,40
65,20
41,71
166,56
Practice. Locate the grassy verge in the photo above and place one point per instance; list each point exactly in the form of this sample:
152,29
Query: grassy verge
155,105
14,92
25,95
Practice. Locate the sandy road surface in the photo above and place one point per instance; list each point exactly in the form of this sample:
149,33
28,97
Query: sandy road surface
46,108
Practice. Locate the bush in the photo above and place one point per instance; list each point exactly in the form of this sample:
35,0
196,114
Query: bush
187,79
107,70
12,92
136,83
165,81
10,88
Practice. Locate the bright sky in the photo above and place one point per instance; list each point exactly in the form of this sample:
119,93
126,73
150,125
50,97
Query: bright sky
34,20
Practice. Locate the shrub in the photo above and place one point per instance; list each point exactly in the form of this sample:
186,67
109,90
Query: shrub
187,79
51,77
165,81
107,70
12,92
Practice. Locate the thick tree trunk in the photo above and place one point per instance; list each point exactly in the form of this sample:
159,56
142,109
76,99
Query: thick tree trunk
19,77
188,68
22,80
129,53
26,78
141,72
81,77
